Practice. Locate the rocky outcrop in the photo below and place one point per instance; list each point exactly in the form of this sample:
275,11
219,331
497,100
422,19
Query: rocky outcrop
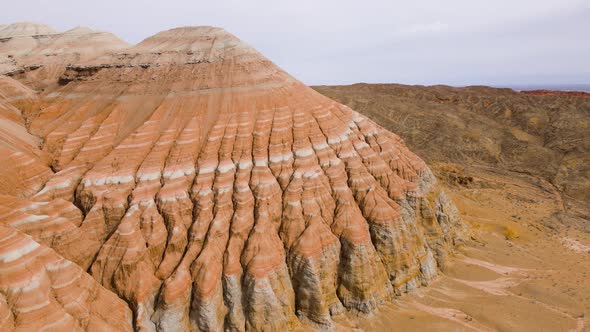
211,190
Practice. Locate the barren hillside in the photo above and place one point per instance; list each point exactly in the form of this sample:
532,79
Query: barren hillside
546,135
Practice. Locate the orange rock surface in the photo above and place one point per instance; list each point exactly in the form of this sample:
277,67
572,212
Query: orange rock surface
210,190
25,168
40,290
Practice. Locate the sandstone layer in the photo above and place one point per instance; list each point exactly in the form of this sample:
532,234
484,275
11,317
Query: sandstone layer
210,190
25,168
42,291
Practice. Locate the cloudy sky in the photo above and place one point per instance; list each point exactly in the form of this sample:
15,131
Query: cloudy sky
457,42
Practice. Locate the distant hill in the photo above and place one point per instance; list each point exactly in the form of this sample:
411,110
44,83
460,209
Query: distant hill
546,134
555,87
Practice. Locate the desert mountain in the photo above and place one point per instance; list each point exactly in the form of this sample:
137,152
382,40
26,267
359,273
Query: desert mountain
208,189
40,53
25,29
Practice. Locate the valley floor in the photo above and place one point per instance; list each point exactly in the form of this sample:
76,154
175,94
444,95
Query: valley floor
525,270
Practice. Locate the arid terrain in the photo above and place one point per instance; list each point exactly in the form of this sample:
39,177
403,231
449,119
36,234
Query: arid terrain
542,135
188,183
526,270
516,165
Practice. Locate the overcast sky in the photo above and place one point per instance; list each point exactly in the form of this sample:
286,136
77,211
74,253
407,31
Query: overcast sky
457,42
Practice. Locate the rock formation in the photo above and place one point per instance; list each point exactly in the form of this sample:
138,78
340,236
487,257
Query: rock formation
25,168
210,190
40,290
37,54
25,29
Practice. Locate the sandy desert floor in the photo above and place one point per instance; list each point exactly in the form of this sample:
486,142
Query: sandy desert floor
524,270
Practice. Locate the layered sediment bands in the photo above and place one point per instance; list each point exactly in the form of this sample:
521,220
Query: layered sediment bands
217,192
25,168
39,290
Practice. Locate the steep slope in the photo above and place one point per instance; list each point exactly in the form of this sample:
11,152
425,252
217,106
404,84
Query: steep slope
36,55
25,168
39,290
211,190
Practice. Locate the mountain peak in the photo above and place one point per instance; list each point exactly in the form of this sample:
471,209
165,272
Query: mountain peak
203,57
26,29
190,39
80,30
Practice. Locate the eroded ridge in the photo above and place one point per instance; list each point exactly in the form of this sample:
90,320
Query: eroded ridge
210,190
39,290
24,167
